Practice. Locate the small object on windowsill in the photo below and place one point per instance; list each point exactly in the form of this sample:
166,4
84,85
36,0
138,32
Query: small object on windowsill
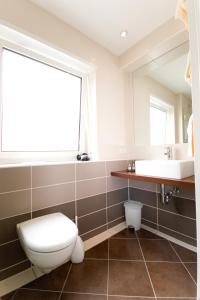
133,166
129,169
83,157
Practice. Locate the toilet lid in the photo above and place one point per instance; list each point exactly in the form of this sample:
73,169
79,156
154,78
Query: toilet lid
48,233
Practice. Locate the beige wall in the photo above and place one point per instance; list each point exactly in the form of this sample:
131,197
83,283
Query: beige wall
113,85
113,140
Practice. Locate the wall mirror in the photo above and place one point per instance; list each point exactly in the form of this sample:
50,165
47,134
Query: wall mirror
162,100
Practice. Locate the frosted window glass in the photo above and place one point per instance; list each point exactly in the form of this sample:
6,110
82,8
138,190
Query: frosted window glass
41,106
158,124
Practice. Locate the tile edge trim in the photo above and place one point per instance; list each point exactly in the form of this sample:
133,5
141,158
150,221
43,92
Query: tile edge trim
170,238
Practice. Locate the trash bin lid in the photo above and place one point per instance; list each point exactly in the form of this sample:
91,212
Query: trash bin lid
132,203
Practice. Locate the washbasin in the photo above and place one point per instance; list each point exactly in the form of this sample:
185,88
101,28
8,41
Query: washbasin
176,169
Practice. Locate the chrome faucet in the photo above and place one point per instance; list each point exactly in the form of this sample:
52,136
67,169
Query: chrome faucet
168,152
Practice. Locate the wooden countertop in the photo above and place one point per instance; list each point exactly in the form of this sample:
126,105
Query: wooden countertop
185,182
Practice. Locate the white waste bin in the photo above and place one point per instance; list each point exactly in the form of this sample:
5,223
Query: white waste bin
133,214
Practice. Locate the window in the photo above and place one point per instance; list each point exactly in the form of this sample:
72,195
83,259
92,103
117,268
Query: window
162,128
41,106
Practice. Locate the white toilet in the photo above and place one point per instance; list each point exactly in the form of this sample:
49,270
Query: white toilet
51,240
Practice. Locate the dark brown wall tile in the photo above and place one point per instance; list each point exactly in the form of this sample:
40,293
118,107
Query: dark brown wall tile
53,195
116,222
146,197
89,170
92,221
8,231
15,203
149,214
143,185
52,174
14,270
91,204
93,233
184,192
180,206
12,179
178,236
177,223
150,224
115,212
117,196
68,209
11,254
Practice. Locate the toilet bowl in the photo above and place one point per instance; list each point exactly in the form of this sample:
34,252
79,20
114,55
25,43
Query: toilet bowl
50,240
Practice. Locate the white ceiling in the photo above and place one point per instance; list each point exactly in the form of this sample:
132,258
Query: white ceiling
103,20
171,75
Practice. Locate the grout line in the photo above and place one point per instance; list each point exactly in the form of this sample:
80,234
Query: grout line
75,196
106,196
94,178
173,213
104,208
25,260
149,221
52,185
129,189
108,268
94,212
182,263
15,191
157,202
93,229
65,282
177,232
168,211
6,243
31,192
155,191
13,296
83,293
101,226
146,266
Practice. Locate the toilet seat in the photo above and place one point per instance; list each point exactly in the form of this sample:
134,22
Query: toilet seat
49,233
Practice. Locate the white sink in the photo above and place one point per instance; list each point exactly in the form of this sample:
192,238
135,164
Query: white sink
176,169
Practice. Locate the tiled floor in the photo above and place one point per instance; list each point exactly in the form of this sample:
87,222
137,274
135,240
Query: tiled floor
129,266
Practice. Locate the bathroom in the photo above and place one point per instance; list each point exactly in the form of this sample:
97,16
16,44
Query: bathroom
124,135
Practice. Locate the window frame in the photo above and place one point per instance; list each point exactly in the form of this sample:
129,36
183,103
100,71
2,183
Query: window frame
62,66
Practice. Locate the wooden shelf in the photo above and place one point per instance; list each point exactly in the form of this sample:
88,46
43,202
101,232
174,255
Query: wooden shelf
185,182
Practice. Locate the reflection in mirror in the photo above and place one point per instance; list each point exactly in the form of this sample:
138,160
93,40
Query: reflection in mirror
162,100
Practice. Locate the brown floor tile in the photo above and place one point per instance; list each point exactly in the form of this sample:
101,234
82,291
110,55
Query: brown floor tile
88,277
129,279
192,268
53,281
144,234
171,280
33,295
126,233
185,298
8,296
185,254
124,249
158,250
99,251
69,296
130,298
